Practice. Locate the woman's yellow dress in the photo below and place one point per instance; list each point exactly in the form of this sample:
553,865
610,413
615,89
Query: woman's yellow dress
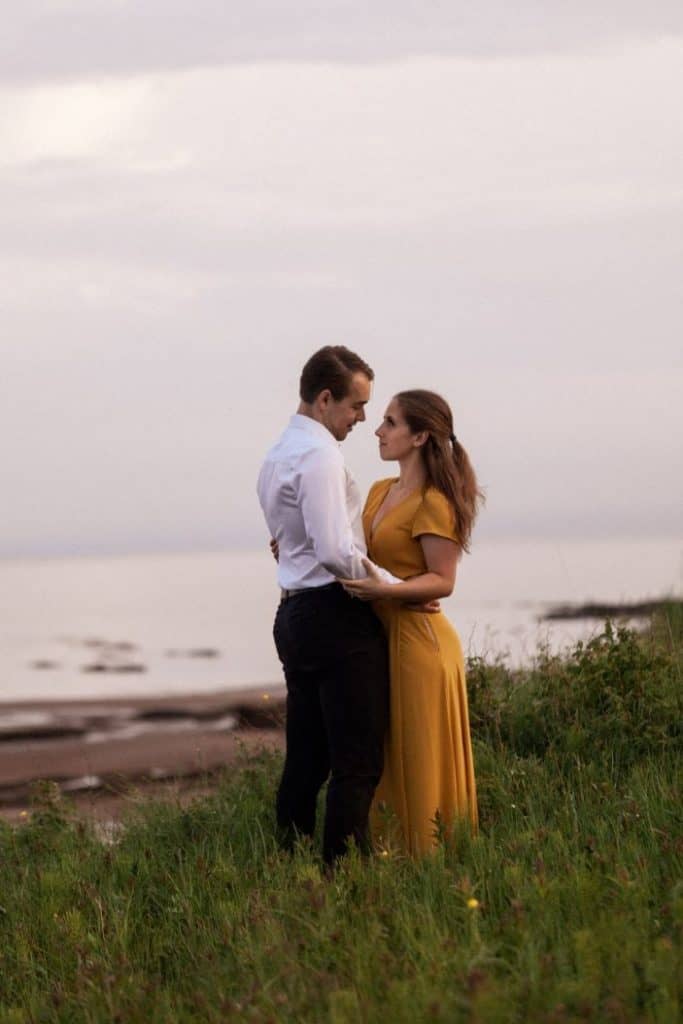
428,780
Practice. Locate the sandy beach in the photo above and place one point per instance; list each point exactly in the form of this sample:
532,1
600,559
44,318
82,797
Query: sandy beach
103,753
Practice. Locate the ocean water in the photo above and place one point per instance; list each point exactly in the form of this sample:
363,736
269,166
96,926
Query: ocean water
202,622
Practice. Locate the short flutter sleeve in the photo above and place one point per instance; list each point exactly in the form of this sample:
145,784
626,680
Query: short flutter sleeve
434,516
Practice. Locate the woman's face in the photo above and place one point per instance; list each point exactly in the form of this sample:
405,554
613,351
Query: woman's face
396,439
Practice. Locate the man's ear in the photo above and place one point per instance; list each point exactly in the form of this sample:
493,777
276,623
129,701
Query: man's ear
324,398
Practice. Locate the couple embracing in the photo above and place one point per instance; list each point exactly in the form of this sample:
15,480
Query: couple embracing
376,698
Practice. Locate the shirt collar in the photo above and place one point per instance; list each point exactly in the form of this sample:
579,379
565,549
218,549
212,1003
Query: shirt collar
312,427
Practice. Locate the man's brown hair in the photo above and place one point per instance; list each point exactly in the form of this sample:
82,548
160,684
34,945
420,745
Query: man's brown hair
331,367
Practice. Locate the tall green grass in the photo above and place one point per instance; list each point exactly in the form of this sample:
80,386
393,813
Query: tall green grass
568,905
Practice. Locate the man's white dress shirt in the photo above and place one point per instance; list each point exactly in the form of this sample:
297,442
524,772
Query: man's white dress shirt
313,508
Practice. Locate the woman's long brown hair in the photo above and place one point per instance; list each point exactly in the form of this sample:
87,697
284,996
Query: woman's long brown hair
448,467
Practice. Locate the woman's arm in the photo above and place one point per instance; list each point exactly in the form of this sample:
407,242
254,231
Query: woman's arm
441,557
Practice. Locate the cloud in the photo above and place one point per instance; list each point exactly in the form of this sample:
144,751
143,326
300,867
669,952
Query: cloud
47,39
176,243
284,147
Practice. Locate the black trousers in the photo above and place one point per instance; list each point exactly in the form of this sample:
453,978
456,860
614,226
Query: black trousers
333,651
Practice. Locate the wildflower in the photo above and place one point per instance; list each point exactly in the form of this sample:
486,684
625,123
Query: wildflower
266,696
385,853
472,904
23,814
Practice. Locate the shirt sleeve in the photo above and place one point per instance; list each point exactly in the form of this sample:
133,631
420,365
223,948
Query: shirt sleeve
326,516
435,517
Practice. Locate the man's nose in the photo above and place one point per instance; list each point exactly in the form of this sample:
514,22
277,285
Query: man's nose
361,416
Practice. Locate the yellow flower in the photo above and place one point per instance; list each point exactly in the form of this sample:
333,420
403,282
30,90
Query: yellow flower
23,814
385,853
472,904
266,696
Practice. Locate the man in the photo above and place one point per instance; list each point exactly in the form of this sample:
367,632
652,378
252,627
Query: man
332,647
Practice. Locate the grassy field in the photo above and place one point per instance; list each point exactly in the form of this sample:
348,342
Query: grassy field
568,906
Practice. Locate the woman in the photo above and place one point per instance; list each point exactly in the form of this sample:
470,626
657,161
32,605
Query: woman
417,525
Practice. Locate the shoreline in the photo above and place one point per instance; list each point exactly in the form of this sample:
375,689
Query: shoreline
99,751
103,752
606,610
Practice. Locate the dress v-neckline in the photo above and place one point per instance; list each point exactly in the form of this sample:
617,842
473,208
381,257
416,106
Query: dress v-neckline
375,524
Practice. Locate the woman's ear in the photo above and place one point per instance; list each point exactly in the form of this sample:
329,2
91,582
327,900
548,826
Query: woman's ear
420,438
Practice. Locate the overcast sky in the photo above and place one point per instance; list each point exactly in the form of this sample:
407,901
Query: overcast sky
483,199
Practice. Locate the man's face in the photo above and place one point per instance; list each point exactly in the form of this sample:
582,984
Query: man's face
341,417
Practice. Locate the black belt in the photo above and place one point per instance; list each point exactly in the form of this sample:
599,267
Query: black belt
290,595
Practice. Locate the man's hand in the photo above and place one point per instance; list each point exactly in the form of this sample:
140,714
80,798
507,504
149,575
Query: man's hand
275,549
429,607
